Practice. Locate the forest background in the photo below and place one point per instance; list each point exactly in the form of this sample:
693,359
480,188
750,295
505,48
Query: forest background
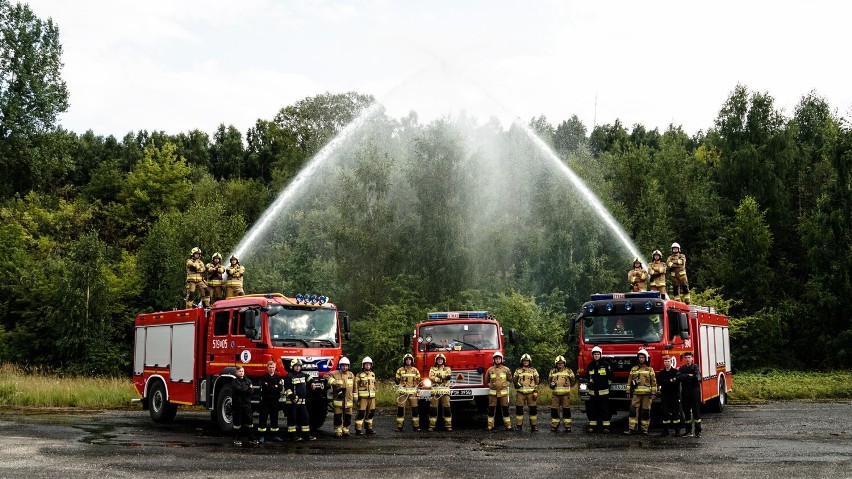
415,218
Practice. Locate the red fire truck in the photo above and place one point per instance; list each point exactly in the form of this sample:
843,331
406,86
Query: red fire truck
189,357
468,339
621,323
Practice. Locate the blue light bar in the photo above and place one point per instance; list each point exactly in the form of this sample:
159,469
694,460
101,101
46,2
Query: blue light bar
643,294
628,306
460,315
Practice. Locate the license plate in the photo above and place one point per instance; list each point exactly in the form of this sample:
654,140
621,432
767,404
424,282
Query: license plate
461,392
618,387
313,374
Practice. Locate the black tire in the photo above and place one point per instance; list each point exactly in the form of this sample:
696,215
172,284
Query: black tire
423,411
223,411
481,404
162,411
317,411
718,403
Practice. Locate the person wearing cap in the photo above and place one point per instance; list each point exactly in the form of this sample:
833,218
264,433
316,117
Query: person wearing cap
561,381
297,383
241,408
641,390
365,391
407,379
669,396
598,375
439,376
271,385
657,272
216,277
234,283
690,379
637,278
526,381
342,384
194,281
497,377
676,264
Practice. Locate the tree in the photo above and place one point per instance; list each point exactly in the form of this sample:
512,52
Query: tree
158,184
569,136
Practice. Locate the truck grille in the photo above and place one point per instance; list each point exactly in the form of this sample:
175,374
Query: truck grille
466,377
622,363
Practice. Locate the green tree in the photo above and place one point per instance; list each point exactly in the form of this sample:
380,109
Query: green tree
569,136
157,184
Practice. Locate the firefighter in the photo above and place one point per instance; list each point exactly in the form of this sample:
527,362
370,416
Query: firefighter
657,272
342,383
234,283
599,375
561,381
215,271
407,379
677,274
241,397
637,278
271,385
642,386
296,386
526,382
497,377
194,281
669,396
365,391
690,380
440,375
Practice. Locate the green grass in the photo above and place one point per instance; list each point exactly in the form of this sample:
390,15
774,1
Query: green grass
776,385
22,388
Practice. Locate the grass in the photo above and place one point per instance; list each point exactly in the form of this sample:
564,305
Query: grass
774,385
23,388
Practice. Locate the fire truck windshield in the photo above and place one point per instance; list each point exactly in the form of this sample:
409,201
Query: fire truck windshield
309,327
457,337
627,328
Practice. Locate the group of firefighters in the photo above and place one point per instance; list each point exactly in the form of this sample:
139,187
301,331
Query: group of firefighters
210,281
675,266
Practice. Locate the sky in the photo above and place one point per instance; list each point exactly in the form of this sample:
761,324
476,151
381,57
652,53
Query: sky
176,66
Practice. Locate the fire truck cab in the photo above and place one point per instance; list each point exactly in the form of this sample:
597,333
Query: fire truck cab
622,323
189,357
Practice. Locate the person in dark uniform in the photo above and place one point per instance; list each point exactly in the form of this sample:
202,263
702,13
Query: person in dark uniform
669,396
241,397
296,385
271,385
690,379
599,375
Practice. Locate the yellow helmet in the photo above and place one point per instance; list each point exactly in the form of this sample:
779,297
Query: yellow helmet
559,359
526,357
234,257
195,250
217,255
440,356
408,356
657,252
294,362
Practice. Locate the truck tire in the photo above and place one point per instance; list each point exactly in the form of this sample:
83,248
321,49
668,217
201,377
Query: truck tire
423,411
317,411
718,403
223,411
162,411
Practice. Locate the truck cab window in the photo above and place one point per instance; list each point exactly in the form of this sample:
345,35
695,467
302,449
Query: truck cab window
220,323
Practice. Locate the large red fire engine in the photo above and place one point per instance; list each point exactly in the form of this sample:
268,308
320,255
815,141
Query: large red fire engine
468,339
189,357
621,323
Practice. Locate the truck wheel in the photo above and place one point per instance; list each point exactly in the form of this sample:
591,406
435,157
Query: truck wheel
224,409
718,403
423,411
162,411
317,411
481,404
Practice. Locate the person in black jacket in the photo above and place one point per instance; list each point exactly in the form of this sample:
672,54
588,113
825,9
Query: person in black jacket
599,375
690,380
241,397
296,385
669,396
271,385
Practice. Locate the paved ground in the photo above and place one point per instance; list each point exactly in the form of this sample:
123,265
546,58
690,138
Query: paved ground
777,440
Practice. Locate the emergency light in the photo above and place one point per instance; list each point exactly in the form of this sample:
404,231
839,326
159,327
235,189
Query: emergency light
460,315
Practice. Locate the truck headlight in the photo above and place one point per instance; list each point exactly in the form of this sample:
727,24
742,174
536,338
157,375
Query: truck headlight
584,386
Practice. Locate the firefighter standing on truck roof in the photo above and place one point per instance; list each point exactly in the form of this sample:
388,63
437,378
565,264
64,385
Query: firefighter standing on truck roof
677,274
497,377
296,386
271,385
599,375
440,375
642,386
669,396
657,271
690,380
365,390
241,412
407,379
194,281
561,381
526,392
215,271
234,283
342,383
637,278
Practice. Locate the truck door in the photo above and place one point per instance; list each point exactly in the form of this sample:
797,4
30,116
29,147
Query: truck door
221,348
245,329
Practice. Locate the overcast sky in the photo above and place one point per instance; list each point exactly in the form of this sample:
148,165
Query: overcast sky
180,65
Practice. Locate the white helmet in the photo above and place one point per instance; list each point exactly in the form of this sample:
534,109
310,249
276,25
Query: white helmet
344,360
366,360
498,354
597,349
643,352
676,245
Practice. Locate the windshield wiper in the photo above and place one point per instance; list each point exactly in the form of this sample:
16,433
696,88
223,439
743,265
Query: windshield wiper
298,340
471,345
326,341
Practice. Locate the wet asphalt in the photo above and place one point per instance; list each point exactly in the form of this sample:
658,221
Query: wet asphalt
774,440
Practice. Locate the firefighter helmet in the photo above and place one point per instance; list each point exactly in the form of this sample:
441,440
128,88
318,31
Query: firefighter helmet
294,362
440,356
657,253
343,360
642,352
233,257
195,250
496,355
637,260
675,245
217,255
597,349
559,359
408,356
367,359
526,357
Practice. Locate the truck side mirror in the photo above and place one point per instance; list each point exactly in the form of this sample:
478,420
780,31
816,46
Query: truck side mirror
513,336
570,335
346,324
406,340
683,325
252,319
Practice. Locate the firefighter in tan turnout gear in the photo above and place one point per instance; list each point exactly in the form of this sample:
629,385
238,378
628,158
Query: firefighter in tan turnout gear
365,390
194,281
497,378
641,390
234,283
440,375
215,277
637,278
342,384
677,274
407,380
526,382
657,272
561,381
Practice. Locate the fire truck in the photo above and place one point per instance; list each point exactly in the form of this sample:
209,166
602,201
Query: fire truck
621,323
468,339
189,357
